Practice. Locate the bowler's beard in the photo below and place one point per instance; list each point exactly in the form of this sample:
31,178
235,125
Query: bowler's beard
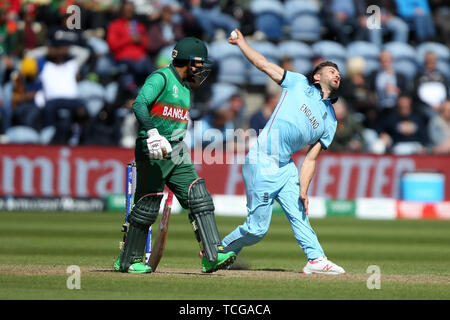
332,88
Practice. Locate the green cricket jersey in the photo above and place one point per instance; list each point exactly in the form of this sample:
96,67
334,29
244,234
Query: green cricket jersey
163,102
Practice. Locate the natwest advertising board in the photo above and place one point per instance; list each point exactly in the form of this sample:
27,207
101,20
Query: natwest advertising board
33,170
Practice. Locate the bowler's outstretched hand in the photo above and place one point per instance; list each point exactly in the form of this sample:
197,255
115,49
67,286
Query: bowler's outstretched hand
235,37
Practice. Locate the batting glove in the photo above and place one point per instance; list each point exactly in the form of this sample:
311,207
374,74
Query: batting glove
158,146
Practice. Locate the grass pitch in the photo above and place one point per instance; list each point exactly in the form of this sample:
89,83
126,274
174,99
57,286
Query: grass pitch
37,248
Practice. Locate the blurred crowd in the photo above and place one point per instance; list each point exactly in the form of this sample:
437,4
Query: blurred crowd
70,70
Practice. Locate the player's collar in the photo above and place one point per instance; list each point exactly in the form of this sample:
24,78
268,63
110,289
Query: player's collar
332,99
177,75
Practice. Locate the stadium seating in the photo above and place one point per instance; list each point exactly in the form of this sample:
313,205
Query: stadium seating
232,67
111,92
404,56
303,19
221,92
270,51
367,50
22,134
268,18
306,28
93,95
167,51
295,8
300,53
334,51
46,134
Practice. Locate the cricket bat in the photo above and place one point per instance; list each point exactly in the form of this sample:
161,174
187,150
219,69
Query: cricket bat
161,238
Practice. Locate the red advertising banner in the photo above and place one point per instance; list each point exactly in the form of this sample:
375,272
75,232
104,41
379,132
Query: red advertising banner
34,170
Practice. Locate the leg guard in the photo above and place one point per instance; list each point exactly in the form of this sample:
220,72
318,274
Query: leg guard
203,220
142,216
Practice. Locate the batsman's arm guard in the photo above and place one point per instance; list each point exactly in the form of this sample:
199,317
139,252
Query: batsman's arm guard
203,220
142,216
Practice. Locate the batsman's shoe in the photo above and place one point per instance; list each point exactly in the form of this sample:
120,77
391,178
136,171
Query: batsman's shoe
139,267
223,261
322,265
117,263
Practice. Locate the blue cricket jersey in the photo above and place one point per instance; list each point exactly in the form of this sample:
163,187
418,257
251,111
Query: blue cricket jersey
302,117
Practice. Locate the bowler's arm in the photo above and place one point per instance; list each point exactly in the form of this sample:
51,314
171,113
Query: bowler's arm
307,172
257,59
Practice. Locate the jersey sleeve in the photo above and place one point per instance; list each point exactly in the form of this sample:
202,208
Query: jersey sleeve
291,79
148,94
328,134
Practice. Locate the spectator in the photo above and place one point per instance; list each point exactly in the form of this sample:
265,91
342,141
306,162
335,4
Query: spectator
237,106
349,131
430,86
391,24
7,65
129,125
345,19
441,13
214,129
129,43
63,109
25,86
240,10
31,33
404,132
8,48
14,8
165,31
439,130
210,18
355,89
95,14
259,119
418,15
4,115
8,33
8,59
387,84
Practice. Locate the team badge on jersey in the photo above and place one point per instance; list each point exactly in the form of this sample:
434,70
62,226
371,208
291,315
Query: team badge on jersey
309,91
175,91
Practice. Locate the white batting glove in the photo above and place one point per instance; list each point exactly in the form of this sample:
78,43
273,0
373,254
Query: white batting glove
158,146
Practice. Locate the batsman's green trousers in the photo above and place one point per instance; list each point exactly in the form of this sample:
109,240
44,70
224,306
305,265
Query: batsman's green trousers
153,175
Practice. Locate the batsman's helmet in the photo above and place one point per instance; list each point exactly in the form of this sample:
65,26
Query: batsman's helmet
190,48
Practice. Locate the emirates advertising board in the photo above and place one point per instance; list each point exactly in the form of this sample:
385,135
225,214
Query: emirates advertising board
96,172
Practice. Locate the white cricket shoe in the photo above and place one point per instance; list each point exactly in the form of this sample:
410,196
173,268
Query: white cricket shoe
322,265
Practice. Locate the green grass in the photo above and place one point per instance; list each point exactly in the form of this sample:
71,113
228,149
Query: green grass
414,258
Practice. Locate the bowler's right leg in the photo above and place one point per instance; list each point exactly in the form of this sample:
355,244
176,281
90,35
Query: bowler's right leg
259,207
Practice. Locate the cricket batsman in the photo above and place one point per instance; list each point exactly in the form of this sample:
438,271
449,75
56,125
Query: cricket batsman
162,111
304,116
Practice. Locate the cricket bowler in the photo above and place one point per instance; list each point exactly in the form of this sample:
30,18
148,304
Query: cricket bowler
162,111
304,116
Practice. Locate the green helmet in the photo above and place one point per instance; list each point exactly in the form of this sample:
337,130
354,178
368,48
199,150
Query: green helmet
191,48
